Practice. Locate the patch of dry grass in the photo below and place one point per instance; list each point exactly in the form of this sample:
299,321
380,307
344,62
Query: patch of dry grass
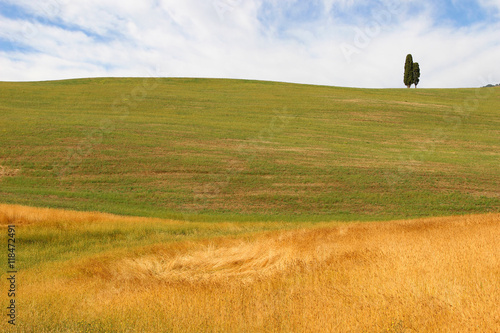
24,215
434,274
7,172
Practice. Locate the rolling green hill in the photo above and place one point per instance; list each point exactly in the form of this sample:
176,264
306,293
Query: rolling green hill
207,149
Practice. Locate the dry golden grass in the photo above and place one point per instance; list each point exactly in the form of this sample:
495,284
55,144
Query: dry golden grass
24,215
426,275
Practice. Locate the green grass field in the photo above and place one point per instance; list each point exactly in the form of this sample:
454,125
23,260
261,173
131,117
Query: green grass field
235,150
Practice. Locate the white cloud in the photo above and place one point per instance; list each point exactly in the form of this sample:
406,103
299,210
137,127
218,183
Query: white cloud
491,3
227,38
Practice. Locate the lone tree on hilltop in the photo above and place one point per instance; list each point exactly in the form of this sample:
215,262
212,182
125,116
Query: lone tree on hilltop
416,73
408,78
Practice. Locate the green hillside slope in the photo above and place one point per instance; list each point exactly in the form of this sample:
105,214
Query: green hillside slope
209,149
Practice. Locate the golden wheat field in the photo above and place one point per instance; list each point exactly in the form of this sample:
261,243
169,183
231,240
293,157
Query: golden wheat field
425,275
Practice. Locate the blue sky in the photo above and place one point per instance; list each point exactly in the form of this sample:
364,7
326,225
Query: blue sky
334,42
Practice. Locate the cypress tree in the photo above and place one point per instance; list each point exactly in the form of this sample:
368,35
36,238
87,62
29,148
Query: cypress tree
408,78
416,73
